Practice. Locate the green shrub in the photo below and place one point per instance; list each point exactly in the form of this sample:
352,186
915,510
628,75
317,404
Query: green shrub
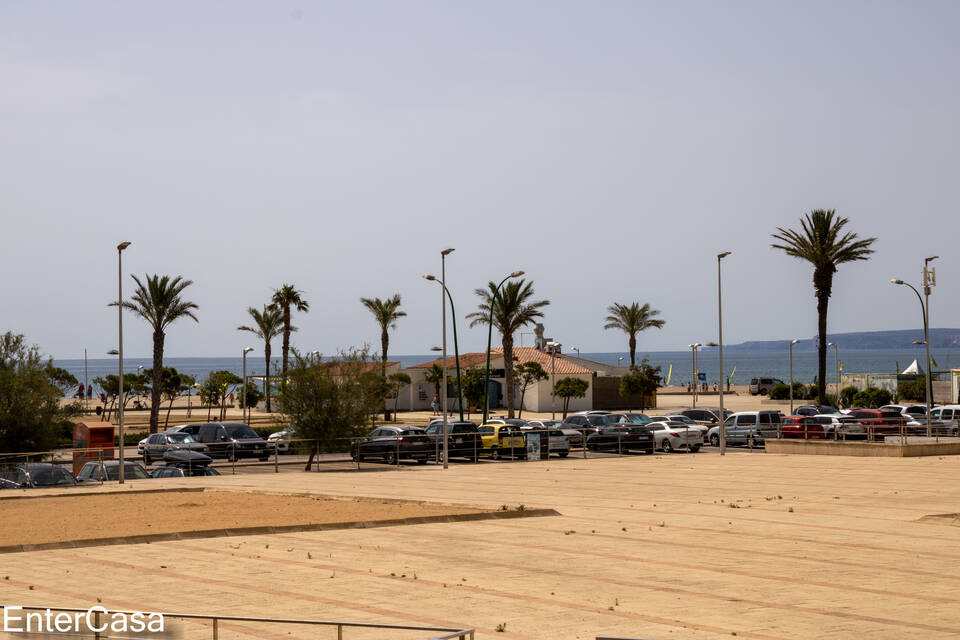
872,397
779,392
847,394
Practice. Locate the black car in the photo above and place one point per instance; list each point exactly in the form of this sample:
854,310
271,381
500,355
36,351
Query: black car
588,422
176,471
36,474
159,443
110,470
705,416
621,439
814,410
393,444
231,440
463,439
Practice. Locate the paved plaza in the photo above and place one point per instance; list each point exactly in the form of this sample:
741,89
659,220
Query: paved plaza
669,546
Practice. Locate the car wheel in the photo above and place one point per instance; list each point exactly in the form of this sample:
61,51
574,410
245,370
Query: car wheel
666,446
563,454
715,440
390,457
752,442
694,448
421,461
495,454
264,458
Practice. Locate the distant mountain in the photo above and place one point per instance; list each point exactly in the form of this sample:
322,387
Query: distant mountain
900,339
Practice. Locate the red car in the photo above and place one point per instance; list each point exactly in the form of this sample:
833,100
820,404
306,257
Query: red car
801,427
878,422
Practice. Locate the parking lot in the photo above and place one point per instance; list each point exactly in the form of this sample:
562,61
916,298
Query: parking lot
665,546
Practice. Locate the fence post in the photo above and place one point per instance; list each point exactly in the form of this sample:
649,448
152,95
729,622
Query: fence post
583,443
276,455
96,621
216,629
233,455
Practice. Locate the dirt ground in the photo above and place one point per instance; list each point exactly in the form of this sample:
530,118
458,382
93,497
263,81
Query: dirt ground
85,516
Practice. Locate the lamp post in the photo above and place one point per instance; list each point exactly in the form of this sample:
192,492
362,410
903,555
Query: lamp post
722,417
243,392
836,351
456,353
552,349
120,248
929,280
792,342
693,369
577,349
486,377
926,338
619,360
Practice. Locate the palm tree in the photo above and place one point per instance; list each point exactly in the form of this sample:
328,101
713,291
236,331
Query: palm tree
159,303
632,320
821,243
512,309
287,298
267,325
434,376
386,312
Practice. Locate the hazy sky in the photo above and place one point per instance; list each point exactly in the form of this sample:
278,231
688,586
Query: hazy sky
609,149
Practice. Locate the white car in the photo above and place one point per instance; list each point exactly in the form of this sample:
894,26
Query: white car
693,424
837,426
141,444
280,440
915,411
670,436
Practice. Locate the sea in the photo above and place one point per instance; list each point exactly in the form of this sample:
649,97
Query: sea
676,366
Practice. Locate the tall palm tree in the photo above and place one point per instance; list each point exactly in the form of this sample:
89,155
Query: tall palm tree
158,302
287,298
822,243
512,309
434,376
267,325
386,312
632,320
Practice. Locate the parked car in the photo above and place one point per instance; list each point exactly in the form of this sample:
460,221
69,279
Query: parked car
879,423
231,440
159,443
141,444
279,441
557,441
502,440
948,416
637,418
747,428
915,411
463,439
670,436
622,438
814,410
841,427
106,470
517,422
762,386
184,463
705,415
32,475
393,444
801,427
588,421
678,417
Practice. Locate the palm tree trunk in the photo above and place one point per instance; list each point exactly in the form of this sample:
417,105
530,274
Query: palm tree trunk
633,349
156,391
266,357
384,344
166,422
822,283
508,371
286,339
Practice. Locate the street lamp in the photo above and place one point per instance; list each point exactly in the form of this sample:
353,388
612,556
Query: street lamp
929,280
552,350
243,393
120,248
926,338
619,360
721,417
486,377
456,350
836,351
792,342
577,349
693,369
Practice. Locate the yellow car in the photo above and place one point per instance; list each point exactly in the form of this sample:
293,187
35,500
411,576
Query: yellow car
502,441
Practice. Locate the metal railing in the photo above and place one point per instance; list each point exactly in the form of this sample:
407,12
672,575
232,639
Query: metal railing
214,620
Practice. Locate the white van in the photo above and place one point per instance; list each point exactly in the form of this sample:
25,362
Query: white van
762,386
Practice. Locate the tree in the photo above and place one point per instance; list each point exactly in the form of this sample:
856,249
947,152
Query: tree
823,243
159,303
472,380
30,413
61,378
512,309
267,325
287,298
642,381
632,320
110,383
331,404
569,387
529,373
386,312
170,385
397,381
434,376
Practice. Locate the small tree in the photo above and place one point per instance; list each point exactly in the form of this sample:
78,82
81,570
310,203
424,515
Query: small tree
569,387
397,381
872,397
527,374
642,381
472,380
434,376
847,394
217,387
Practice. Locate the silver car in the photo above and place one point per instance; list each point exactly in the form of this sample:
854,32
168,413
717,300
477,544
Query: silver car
159,443
559,443
670,436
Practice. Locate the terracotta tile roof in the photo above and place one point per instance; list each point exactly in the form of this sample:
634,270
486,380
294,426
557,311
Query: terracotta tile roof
334,366
467,360
526,354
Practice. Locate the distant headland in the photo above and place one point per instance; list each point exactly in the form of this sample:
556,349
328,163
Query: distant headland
899,339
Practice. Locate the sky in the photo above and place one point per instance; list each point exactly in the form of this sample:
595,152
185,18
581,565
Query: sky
608,149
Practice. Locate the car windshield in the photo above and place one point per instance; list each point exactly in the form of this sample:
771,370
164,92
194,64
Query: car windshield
683,419
638,418
49,475
130,472
180,438
241,431
411,432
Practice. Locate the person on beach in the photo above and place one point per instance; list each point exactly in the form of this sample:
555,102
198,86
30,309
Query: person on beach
436,405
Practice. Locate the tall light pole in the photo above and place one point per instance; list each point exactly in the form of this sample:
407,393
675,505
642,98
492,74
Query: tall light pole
243,393
926,337
552,348
577,349
486,377
693,369
456,353
721,417
929,280
120,248
792,342
836,352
